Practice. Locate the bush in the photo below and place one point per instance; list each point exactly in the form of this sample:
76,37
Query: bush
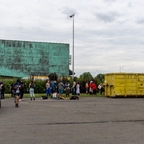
40,85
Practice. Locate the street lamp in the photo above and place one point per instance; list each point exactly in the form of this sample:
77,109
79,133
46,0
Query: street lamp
72,16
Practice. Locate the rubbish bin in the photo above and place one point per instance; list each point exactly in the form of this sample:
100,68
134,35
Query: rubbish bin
124,84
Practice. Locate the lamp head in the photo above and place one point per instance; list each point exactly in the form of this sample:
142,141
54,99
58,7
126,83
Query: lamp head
72,15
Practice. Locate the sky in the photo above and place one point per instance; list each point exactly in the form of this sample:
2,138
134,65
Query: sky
108,34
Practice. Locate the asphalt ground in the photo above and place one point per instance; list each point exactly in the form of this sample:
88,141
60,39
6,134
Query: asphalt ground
86,121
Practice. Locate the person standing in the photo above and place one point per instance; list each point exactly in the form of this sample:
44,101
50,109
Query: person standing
0,89
53,88
17,87
3,90
78,89
31,90
60,88
74,88
12,89
67,88
94,87
22,90
91,87
48,89
101,88
86,87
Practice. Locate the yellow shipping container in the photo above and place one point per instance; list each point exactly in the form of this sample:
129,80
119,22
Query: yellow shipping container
124,84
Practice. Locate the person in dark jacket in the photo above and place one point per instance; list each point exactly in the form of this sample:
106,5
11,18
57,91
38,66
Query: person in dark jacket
2,90
60,88
22,90
67,88
12,89
17,88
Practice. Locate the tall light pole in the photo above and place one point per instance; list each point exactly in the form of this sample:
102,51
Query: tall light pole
72,16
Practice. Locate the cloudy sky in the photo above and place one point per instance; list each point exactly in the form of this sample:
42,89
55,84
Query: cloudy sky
108,37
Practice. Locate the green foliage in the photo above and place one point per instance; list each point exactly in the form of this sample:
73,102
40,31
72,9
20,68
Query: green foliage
76,78
40,84
53,76
86,77
99,78
7,82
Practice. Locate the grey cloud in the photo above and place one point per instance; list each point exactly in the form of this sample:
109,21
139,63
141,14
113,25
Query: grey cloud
108,1
129,5
107,17
140,21
68,11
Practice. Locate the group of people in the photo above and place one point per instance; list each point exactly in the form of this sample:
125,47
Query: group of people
53,87
91,88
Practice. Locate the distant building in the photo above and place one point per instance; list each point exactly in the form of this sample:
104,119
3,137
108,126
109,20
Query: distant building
26,58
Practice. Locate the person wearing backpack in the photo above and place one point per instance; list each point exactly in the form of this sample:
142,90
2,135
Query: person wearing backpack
17,93
60,88
31,90
67,89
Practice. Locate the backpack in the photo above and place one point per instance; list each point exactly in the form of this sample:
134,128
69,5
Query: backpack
44,97
74,97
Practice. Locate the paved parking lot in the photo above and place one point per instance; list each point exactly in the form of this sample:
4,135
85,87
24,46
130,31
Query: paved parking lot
84,121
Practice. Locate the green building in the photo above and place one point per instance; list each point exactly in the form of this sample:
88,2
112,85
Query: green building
26,58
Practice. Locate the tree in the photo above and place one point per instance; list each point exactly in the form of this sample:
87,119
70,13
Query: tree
53,76
86,76
99,78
